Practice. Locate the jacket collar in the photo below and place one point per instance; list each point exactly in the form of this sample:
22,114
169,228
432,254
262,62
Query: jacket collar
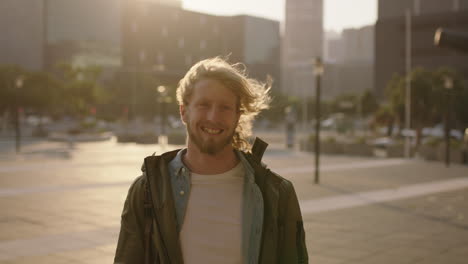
177,165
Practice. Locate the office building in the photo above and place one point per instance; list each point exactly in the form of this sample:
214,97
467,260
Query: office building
426,17
303,41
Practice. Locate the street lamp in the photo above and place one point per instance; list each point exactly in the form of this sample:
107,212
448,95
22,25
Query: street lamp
162,94
448,85
408,45
318,72
18,85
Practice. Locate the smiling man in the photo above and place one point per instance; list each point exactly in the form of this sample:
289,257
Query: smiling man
213,201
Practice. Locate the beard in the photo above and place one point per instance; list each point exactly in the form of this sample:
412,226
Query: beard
209,146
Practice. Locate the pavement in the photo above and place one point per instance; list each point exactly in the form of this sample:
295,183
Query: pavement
61,203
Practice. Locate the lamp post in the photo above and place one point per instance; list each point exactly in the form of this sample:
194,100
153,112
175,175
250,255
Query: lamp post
162,95
448,85
408,81
318,71
18,85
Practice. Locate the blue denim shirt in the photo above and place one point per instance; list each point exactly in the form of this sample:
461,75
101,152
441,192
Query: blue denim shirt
252,204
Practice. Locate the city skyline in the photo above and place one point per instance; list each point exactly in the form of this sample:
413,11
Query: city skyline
338,14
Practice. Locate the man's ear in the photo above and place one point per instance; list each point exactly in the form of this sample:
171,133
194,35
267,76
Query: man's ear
183,113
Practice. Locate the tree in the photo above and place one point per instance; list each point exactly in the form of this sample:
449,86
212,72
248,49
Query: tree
368,103
137,92
10,96
384,116
81,90
428,97
453,100
42,93
279,102
396,94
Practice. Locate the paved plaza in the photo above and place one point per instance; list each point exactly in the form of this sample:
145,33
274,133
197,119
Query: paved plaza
61,203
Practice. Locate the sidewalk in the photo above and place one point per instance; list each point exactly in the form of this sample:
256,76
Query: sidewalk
381,210
66,209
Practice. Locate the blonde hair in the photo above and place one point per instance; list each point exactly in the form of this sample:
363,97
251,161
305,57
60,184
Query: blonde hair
252,95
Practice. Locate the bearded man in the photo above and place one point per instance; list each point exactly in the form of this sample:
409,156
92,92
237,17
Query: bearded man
213,201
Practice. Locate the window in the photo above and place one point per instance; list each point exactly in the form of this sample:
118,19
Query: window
134,27
145,11
202,20
164,31
142,55
180,43
160,58
188,60
202,44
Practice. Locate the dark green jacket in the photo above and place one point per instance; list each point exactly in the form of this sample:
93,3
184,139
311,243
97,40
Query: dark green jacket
282,238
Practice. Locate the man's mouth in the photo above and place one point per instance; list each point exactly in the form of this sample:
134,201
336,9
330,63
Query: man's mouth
212,131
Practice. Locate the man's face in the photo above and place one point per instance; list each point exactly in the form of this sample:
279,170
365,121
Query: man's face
211,116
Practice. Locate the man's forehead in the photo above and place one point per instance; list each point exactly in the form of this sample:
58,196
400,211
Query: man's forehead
213,89
209,82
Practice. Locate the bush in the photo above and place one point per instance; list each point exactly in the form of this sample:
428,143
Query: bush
330,140
433,142
360,140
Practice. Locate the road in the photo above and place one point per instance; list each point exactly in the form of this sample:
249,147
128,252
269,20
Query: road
63,205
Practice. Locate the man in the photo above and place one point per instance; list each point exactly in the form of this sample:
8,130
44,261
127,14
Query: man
213,202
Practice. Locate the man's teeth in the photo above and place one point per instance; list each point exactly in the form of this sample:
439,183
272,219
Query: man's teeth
212,131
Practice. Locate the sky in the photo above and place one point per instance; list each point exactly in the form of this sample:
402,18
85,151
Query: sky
338,14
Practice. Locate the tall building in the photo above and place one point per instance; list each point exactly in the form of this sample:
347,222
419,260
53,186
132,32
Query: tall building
166,41
303,41
396,8
332,48
350,64
257,45
358,45
173,3
22,33
37,35
155,36
83,32
426,17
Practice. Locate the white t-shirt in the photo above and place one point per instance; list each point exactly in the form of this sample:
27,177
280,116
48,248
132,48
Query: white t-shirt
212,228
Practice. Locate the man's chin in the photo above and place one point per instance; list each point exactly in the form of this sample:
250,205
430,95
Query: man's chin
210,145
212,148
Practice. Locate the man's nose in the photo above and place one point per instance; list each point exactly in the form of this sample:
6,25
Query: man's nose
214,114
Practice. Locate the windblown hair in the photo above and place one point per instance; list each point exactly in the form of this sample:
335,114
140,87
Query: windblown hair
252,95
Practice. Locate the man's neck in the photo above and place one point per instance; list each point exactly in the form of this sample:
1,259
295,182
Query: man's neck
202,163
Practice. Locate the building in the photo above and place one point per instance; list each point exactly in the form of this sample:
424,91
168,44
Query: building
37,35
426,16
48,32
257,45
152,36
22,33
80,33
396,8
333,46
358,45
350,62
303,41
165,41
